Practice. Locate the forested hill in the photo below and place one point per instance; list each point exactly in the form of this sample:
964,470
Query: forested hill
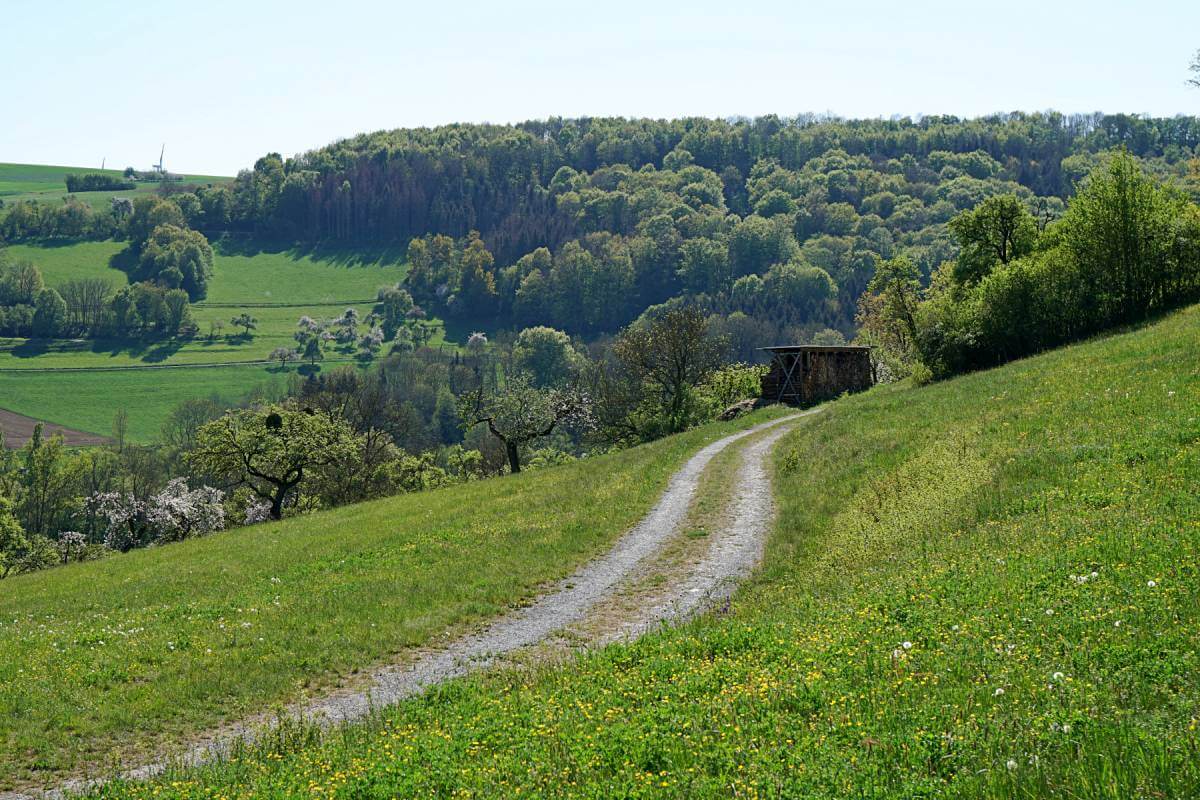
772,226
504,180
634,212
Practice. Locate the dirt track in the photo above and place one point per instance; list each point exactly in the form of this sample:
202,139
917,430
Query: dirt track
18,429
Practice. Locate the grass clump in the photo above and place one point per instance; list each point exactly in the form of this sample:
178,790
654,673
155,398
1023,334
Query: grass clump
982,588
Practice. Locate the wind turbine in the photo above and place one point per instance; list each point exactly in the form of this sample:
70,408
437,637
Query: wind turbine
159,166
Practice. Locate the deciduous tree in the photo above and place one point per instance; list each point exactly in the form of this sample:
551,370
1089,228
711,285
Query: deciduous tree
520,413
271,450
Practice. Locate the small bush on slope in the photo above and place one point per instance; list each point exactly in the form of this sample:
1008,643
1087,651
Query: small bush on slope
984,588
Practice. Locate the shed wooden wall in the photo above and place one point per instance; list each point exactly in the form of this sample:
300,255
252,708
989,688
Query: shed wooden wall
821,375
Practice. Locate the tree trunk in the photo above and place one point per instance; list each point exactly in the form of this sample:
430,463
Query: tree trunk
277,503
514,457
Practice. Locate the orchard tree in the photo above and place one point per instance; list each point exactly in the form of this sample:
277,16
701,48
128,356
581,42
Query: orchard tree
244,321
520,413
1195,70
394,303
312,350
272,450
283,355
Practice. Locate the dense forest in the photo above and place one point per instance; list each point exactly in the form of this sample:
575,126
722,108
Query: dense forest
583,224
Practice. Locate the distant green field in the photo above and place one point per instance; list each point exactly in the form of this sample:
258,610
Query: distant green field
276,286
89,400
48,183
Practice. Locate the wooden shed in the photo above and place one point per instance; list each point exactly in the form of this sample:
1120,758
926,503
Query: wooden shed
805,375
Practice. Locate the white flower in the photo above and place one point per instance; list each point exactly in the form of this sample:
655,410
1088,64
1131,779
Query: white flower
1049,612
999,691
897,653
1117,624
1058,676
1012,764
1066,728
1095,574
907,645
1151,584
954,628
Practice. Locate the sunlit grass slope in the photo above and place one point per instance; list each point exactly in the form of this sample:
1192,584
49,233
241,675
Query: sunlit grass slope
983,588
103,659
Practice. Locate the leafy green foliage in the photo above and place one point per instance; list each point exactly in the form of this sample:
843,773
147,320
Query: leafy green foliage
997,231
1127,248
547,356
271,450
179,259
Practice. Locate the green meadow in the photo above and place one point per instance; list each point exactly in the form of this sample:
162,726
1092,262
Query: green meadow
981,588
109,659
47,379
48,183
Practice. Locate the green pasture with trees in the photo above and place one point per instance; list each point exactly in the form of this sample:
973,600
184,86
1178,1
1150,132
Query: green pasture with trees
979,588
421,372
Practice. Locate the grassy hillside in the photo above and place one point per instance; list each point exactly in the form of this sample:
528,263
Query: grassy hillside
276,286
108,656
982,588
48,183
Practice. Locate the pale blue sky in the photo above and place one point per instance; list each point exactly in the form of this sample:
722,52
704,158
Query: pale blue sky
224,82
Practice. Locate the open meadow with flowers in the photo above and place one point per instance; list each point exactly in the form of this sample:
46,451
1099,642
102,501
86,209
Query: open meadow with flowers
103,662
982,588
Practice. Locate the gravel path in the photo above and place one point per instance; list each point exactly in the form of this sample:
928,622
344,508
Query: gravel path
734,552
